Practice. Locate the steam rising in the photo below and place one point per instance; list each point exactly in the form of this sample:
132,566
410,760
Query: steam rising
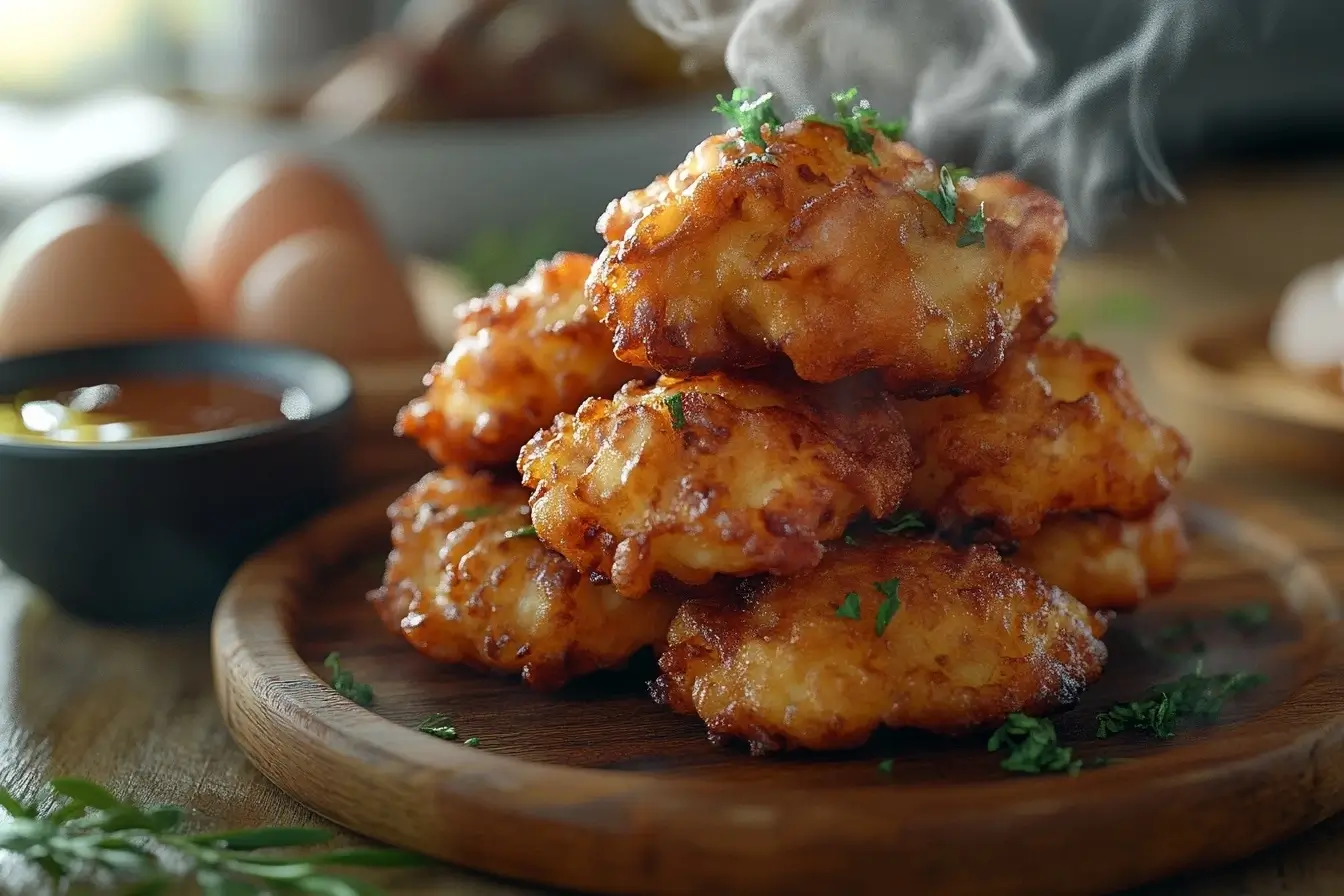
974,82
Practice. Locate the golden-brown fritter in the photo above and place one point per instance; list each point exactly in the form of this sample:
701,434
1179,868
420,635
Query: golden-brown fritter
820,255
1057,429
797,662
1106,562
468,583
524,354
713,475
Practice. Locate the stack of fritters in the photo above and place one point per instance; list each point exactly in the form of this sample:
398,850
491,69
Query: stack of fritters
801,429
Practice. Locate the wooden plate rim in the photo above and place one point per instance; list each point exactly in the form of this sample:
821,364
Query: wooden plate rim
496,790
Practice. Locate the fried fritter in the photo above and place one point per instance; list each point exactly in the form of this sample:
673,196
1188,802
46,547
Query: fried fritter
1057,429
820,255
1106,562
468,583
713,475
796,662
524,354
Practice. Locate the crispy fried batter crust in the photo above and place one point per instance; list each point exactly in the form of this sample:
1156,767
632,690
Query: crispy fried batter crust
821,256
754,480
461,590
524,354
973,640
1057,429
1106,562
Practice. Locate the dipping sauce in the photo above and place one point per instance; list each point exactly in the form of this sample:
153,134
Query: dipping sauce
143,408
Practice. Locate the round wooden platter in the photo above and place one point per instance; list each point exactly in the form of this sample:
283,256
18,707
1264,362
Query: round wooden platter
1239,406
597,788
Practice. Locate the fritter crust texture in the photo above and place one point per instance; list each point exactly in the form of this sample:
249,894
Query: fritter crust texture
1106,562
1057,429
462,586
713,475
524,353
823,257
974,638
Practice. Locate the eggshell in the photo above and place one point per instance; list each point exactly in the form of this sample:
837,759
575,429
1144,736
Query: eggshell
253,206
79,272
333,292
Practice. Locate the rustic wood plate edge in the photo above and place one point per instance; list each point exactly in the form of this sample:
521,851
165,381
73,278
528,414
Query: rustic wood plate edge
469,802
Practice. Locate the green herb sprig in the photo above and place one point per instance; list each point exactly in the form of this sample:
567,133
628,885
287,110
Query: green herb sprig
905,522
944,198
475,513
1033,747
676,408
522,532
438,725
859,122
91,837
973,231
343,681
1192,696
849,607
891,602
749,113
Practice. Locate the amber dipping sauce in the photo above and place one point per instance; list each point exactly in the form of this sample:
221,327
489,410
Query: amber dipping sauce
145,407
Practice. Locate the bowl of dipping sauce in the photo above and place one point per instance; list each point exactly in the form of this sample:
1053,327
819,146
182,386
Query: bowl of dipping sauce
134,479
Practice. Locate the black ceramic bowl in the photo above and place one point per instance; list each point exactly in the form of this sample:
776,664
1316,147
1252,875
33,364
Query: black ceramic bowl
148,531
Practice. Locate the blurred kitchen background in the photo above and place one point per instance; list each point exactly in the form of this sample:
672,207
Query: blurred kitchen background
490,132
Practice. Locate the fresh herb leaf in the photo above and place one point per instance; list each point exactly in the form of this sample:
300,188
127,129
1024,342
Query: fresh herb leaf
906,522
675,408
472,742
1033,747
476,513
91,838
1075,336
1250,618
13,805
522,532
851,540
262,838
749,113
343,682
973,231
891,602
945,197
1193,695
506,256
849,607
886,766
440,726
859,122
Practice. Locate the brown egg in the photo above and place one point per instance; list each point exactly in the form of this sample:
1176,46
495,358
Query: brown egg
79,272
252,207
333,292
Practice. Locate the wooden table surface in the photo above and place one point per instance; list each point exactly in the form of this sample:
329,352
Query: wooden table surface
136,710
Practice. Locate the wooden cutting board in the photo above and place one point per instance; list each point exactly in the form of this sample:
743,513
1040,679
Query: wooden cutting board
599,789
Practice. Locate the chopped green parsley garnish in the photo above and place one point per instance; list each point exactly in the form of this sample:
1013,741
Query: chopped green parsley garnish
891,602
343,682
851,540
886,765
945,197
675,408
905,522
522,532
476,513
1249,618
472,742
1033,747
973,231
749,113
859,121
1193,695
849,607
440,726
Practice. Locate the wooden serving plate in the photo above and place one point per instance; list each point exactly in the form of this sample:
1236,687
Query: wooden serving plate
1239,407
597,788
